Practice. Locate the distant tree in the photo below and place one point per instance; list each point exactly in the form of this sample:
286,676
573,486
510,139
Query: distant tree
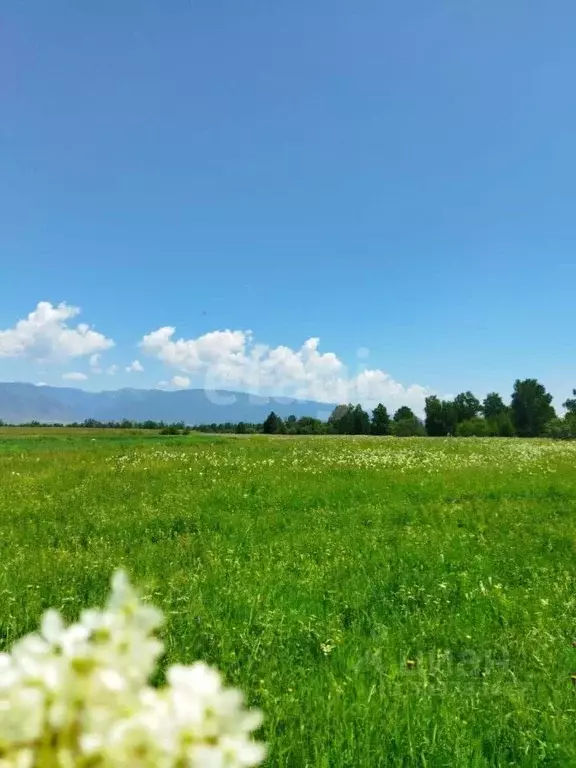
531,408
341,420
474,427
404,413
570,404
360,421
273,424
307,425
434,421
450,416
561,429
570,416
498,416
409,426
170,429
467,406
441,417
493,406
380,424
503,425
348,420
339,412
290,425
241,428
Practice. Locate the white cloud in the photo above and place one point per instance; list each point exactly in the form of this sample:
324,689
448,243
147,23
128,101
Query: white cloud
74,376
95,364
176,382
135,367
226,359
46,335
181,382
112,370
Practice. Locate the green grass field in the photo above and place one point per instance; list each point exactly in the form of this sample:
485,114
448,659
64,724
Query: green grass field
385,602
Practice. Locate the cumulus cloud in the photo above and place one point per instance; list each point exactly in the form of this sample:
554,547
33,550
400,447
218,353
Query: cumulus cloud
226,359
95,363
180,382
176,382
46,334
112,370
74,376
135,367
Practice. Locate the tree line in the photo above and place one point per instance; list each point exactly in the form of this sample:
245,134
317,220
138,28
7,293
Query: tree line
529,413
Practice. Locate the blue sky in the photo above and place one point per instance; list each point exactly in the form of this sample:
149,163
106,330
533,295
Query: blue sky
396,178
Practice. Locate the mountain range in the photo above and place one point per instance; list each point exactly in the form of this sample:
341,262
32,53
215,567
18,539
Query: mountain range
20,403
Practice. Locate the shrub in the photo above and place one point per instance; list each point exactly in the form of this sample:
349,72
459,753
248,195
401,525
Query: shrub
476,427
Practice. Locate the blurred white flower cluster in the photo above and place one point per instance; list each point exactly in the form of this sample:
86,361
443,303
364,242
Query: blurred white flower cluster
79,696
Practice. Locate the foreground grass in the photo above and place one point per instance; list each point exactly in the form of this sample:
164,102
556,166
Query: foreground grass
386,602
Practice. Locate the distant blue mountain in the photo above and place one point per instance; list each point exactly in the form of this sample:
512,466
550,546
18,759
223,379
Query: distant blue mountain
21,403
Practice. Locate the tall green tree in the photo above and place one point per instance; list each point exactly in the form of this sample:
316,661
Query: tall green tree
493,405
570,417
441,417
570,404
434,421
450,416
341,420
291,425
273,424
531,408
361,421
467,406
404,413
405,423
498,416
380,420
338,412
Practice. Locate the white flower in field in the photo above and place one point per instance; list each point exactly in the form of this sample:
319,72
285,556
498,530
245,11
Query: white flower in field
209,724
142,737
20,758
83,689
21,707
203,707
37,664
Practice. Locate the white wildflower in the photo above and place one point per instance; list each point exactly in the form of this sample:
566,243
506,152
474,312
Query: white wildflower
83,690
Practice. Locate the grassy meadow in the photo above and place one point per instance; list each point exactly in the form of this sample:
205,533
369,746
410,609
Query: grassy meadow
406,602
